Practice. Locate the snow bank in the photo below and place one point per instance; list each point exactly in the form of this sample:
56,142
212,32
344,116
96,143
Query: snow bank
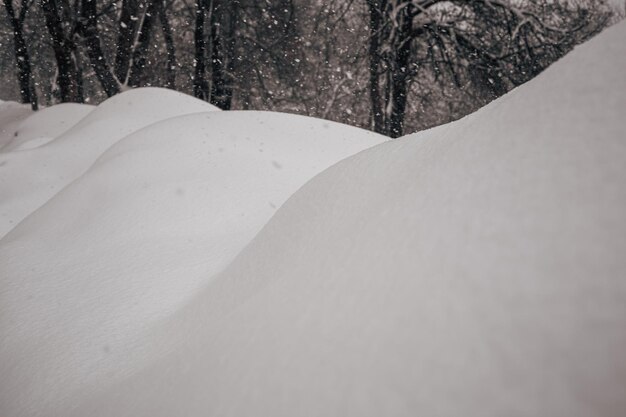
130,241
477,269
11,114
42,126
31,177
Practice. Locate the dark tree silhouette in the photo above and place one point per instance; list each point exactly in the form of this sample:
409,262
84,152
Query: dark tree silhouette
22,58
88,28
125,39
493,44
69,76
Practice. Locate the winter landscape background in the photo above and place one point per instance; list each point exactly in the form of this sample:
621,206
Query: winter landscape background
162,256
392,66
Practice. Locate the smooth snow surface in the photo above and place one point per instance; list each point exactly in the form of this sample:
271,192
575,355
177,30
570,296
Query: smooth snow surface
142,231
476,269
11,114
41,127
29,178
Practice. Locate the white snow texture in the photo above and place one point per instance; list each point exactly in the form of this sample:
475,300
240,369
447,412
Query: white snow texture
475,269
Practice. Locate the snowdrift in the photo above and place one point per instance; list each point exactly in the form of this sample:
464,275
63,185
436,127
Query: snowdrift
11,114
128,242
29,178
41,127
475,269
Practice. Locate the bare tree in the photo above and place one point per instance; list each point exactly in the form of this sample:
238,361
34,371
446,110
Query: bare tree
494,44
24,74
224,21
69,77
170,47
127,27
140,51
390,65
88,28
218,48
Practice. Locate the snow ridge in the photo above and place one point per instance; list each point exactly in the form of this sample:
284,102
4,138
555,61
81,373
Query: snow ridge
473,269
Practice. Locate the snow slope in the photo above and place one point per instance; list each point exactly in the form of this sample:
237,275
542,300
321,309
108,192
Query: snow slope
42,126
131,240
30,177
11,114
476,269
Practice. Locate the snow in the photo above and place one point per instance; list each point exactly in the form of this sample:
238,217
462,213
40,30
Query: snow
11,114
140,232
474,269
41,127
29,178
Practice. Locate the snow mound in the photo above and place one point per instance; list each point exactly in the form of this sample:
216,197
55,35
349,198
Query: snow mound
42,126
476,269
11,114
134,238
31,177
139,107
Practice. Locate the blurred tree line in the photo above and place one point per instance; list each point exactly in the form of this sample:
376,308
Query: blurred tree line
393,66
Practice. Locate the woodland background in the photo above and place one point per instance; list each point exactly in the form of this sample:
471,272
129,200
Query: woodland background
392,66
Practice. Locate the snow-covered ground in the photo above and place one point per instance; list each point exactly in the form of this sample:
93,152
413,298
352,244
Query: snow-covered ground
11,114
41,127
152,194
30,177
475,269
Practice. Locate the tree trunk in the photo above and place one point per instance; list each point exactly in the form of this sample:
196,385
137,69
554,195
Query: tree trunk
68,76
80,86
230,52
200,86
399,78
125,39
219,95
375,19
27,93
140,53
170,71
89,29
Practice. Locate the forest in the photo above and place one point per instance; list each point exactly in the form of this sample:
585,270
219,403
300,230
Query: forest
391,66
